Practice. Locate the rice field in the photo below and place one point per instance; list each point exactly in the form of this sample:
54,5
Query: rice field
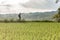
30,31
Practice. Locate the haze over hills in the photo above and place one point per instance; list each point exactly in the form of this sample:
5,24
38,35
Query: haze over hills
39,15
30,16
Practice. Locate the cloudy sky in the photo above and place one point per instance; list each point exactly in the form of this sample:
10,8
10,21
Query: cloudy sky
28,5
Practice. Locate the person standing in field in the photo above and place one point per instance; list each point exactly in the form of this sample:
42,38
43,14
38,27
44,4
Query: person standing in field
19,15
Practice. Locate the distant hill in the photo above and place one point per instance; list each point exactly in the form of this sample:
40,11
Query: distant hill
39,15
30,16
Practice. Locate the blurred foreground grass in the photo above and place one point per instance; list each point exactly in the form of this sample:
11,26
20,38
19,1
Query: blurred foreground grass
30,31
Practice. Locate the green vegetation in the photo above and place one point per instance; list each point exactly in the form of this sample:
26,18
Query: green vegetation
57,16
30,31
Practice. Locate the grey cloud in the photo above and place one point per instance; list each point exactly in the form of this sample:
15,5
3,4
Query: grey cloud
41,4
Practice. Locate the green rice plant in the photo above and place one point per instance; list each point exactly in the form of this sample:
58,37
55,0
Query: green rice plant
30,31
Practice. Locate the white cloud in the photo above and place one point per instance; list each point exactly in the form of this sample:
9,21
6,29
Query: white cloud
42,4
17,6
12,1
12,6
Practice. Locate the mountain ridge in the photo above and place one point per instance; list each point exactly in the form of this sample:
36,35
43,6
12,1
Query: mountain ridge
30,16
